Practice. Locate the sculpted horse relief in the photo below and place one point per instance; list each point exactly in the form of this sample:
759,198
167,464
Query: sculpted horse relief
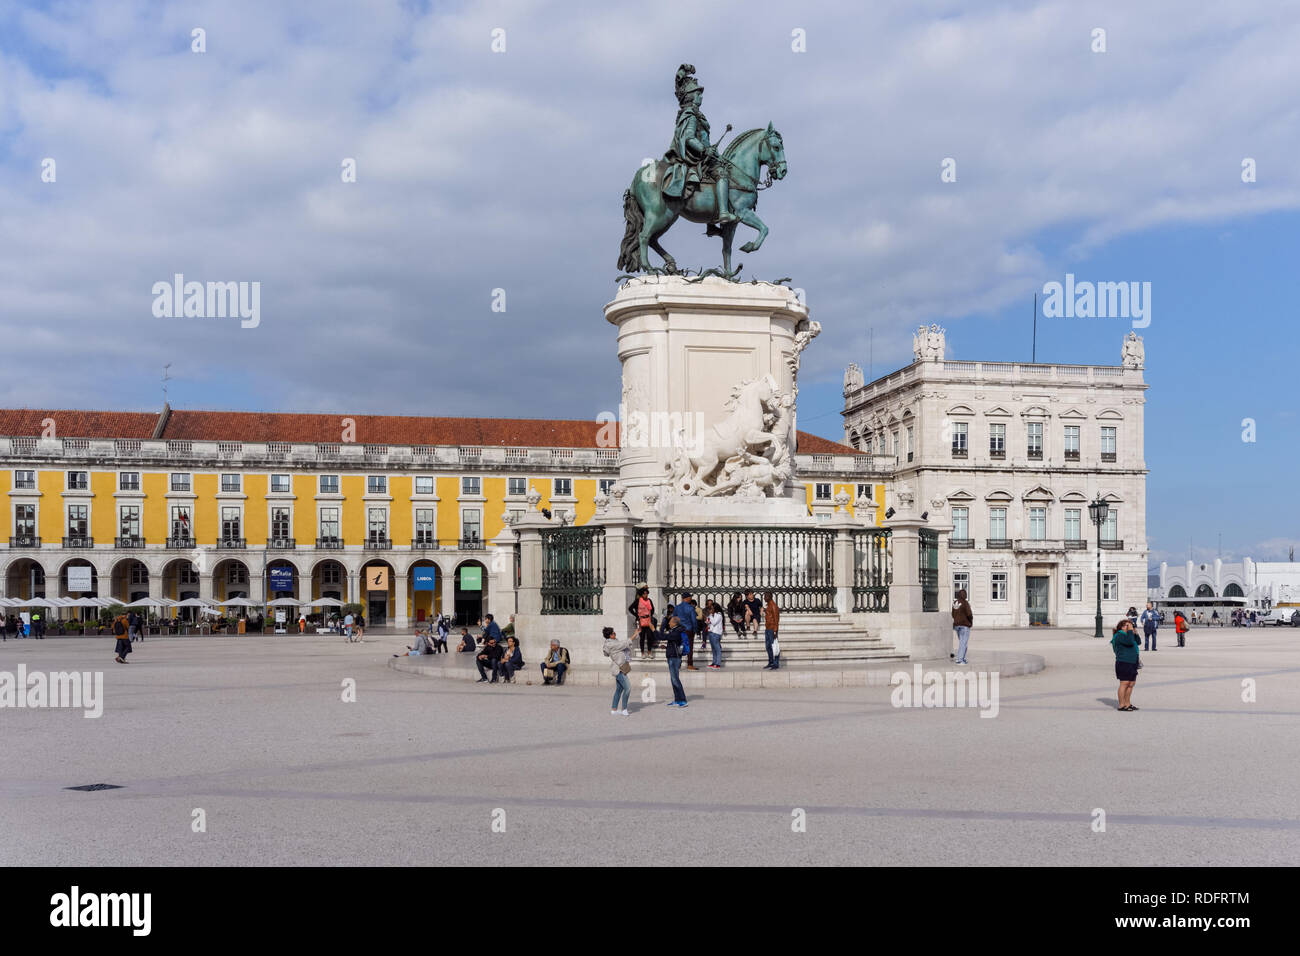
747,454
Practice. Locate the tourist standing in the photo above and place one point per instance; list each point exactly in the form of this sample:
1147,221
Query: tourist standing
122,632
642,610
133,626
1180,628
962,621
620,665
686,613
674,641
348,622
440,644
715,634
1150,621
771,625
1125,642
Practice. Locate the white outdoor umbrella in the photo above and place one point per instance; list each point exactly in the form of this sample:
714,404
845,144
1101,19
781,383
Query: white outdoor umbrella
238,602
284,602
146,602
194,602
325,602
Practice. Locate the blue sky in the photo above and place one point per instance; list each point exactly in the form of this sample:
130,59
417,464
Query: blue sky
479,170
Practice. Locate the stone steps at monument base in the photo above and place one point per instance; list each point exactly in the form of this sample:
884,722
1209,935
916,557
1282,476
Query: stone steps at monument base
797,646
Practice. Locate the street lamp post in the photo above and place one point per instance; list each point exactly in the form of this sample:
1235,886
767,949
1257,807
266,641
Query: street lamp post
1098,511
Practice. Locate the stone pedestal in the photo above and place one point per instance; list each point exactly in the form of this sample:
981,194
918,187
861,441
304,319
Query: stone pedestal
684,345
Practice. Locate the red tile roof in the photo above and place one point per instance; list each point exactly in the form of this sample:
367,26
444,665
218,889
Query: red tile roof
67,423
316,428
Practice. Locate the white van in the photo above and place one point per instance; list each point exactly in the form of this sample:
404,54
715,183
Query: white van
1279,616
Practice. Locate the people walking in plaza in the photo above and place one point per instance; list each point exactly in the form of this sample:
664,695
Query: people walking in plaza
488,660
512,659
690,625
674,644
771,628
1125,643
555,664
642,610
620,665
963,619
38,625
123,646
715,633
1180,628
1150,621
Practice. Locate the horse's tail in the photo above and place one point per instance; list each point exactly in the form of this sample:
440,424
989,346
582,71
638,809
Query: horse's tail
629,253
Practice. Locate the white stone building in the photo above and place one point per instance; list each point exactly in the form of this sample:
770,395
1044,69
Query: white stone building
1246,583
1009,455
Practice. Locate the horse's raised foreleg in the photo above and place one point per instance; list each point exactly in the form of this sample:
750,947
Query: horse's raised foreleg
750,218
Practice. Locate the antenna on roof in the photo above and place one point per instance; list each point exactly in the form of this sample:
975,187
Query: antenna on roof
165,379
1034,357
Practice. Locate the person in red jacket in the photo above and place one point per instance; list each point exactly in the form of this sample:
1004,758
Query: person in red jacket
1180,628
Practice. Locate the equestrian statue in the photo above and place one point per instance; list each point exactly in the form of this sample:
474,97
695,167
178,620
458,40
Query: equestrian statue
696,181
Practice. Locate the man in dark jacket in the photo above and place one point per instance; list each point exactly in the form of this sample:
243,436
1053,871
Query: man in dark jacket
673,644
490,629
962,621
690,624
489,659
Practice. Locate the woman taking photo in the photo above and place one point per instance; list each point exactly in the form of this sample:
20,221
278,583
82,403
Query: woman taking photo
619,665
1126,643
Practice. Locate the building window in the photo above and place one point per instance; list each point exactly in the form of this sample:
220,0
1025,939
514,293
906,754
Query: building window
1036,440
424,484
331,573
329,523
78,521
471,485
329,484
230,524
279,484
238,574
998,586
563,487
1074,585
895,436
864,491
139,574
998,440
823,491
519,486
130,521
181,523
998,524
128,481
180,481
961,523
471,524
911,434
1073,524
959,438
280,523
230,482
25,521
377,525
960,582
605,485
24,479
424,526
881,443
78,480
1110,586
1108,433
1071,442
376,485
187,573
1110,527
1037,524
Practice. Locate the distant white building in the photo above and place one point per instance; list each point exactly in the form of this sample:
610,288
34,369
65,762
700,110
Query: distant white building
1010,454
1247,583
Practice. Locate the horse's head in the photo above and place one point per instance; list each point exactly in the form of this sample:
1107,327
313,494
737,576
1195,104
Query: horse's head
773,153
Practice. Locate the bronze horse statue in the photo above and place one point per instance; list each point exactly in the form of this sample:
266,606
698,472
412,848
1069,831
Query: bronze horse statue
649,213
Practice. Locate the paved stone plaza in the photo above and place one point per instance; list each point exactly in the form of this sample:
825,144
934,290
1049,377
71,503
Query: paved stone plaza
254,732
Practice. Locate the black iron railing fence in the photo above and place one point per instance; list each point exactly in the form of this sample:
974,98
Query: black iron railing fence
640,555
573,570
928,556
873,570
796,564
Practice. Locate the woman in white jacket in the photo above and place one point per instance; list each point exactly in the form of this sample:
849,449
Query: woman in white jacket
616,650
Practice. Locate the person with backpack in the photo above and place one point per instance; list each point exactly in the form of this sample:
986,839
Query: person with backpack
674,641
121,632
963,619
1180,628
440,641
620,665
686,612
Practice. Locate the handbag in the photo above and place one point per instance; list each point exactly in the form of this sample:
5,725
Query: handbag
776,647
625,668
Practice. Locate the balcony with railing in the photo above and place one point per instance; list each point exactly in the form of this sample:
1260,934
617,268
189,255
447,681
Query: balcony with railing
231,544
376,542
424,542
330,543
180,543
24,541
1112,544
281,544
78,541
471,544
1075,544
997,544
129,541
1039,544
961,544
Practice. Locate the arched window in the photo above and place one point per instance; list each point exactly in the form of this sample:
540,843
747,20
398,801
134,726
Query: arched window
855,439
1177,591
1205,591
1233,590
